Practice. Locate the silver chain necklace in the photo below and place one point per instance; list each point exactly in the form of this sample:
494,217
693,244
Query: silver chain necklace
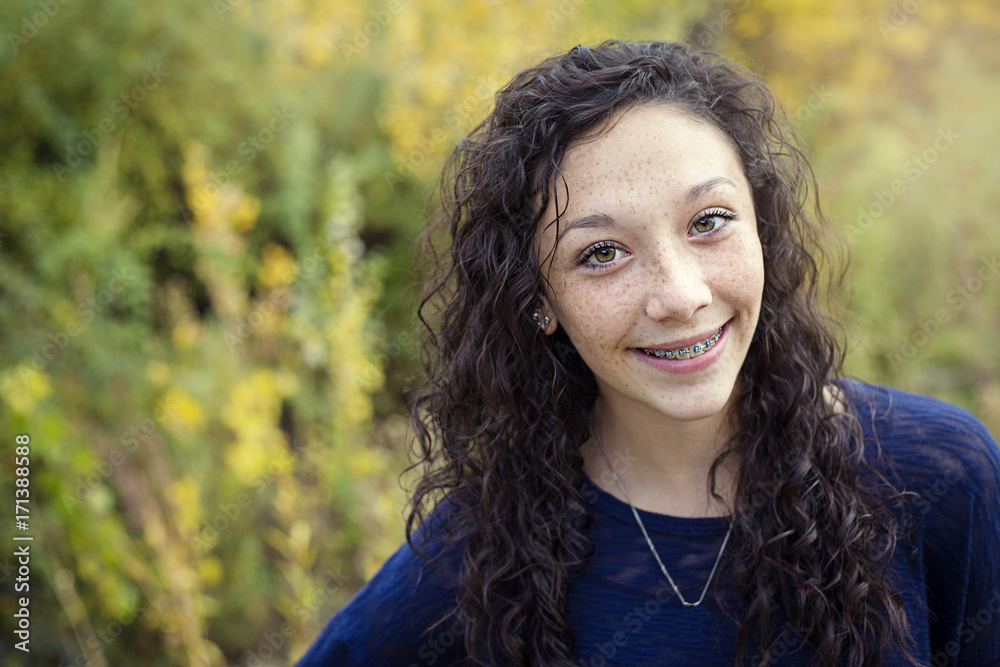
650,542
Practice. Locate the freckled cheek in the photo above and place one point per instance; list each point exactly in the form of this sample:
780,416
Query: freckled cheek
594,319
740,280
755,269
752,279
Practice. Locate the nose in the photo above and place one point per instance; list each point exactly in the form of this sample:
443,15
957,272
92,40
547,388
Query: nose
678,286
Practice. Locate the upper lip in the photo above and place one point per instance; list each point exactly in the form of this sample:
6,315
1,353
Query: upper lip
683,342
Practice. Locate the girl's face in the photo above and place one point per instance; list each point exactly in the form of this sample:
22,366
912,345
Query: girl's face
658,249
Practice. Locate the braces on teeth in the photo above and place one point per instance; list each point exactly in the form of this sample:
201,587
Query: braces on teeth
696,350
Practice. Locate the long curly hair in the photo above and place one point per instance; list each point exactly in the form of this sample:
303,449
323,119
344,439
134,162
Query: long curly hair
501,417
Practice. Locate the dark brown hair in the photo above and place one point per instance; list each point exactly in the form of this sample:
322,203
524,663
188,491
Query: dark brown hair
500,420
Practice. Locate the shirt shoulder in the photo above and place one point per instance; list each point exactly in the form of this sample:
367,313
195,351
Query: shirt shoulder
389,620
928,442
948,457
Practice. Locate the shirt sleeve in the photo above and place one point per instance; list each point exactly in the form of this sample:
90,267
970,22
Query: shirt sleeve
386,622
980,629
962,547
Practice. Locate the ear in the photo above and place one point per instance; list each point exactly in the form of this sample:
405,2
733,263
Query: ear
544,309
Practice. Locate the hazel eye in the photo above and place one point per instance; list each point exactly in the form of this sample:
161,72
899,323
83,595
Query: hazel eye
706,224
606,252
605,255
712,221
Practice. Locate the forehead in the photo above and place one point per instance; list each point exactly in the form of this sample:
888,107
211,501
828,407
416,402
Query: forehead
652,141
650,154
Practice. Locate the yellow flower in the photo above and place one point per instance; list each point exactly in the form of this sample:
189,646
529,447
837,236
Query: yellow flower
362,463
286,384
278,268
65,312
186,334
210,570
185,497
158,373
23,387
244,216
186,414
194,170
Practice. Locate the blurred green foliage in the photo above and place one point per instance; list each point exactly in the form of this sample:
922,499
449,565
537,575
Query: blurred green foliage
207,300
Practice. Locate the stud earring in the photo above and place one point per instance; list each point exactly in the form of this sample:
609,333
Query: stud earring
541,323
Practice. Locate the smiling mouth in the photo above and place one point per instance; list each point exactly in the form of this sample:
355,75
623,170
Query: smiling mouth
688,352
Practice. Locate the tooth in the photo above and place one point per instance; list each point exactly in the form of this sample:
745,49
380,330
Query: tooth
696,350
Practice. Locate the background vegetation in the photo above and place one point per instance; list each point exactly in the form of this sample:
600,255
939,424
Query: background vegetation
207,304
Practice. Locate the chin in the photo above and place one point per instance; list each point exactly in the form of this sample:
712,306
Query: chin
696,413
693,407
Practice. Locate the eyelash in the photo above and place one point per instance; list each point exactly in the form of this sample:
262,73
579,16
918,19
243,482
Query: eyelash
712,213
715,213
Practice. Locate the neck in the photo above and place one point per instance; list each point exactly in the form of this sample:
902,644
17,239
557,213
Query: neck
663,467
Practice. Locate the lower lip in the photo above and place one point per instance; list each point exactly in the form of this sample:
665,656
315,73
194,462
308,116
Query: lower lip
681,366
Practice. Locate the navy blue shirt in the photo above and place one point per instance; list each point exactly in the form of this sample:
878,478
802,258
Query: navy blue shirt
623,611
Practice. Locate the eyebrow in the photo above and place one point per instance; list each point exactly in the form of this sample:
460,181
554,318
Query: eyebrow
601,220
593,221
707,186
